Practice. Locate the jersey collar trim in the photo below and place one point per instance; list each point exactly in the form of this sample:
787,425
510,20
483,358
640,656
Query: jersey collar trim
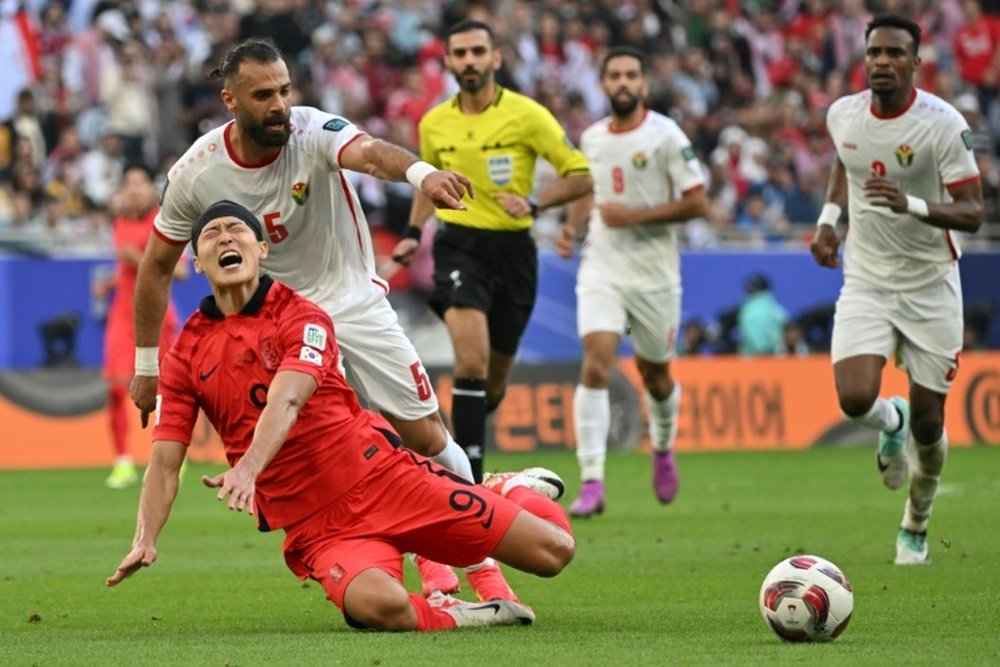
909,103
624,130
211,310
235,158
497,94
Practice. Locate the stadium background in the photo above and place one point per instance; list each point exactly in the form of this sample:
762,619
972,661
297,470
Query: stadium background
91,86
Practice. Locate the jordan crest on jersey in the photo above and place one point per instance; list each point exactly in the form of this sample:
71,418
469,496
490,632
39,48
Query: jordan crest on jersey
904,155
300,193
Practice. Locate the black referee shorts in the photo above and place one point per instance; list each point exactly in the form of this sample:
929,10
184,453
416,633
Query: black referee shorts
492,271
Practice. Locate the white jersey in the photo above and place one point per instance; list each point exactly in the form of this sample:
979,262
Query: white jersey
643,167
320,244
926,150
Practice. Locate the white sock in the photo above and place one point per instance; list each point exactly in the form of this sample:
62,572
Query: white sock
124,458
924,482
881,416
454,458
592,419
663,419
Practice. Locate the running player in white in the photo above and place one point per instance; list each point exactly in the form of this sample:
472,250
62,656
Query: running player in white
906,171
286,165
646,179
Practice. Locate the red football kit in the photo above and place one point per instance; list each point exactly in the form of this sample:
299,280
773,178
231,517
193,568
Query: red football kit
119,339
348,497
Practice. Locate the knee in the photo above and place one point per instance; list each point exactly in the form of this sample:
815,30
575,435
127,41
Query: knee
656,381
388,611
426,436
594,373
856,404
927,428
558,552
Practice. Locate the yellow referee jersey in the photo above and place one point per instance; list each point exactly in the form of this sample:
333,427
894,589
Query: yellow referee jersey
496,149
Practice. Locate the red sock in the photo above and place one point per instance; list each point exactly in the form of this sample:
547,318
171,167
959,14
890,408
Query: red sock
540,506
428,618
119,419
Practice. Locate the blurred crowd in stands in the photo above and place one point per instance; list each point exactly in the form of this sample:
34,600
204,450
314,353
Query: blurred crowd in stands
90,86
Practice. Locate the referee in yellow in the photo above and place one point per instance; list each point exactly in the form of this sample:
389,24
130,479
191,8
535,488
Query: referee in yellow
485,260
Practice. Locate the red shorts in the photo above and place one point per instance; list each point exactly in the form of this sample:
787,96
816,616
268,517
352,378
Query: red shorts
406,505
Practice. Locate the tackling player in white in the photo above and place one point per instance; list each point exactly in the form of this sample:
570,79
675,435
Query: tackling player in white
906,171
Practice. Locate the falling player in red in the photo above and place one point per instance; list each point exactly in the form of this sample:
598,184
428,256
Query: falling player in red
131,230
261,361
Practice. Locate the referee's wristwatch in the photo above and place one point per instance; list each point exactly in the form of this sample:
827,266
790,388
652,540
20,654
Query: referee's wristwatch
533,203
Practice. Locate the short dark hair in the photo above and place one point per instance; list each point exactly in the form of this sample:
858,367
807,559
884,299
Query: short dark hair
618,52
468,25
895,21
140,166
257,49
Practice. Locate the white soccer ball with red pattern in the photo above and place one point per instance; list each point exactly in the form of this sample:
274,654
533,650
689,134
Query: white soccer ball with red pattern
806,599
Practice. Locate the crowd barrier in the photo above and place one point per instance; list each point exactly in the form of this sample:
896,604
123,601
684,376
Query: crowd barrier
729,403
34,291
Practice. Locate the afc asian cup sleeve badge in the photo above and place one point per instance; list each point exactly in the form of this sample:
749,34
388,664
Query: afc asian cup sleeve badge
314,335
904,155
300,193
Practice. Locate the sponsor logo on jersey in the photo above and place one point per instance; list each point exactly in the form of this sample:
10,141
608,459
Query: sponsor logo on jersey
904,155
967,139
311,356
300,193
849,146
335,124
688,153
500,169
315,336
639,160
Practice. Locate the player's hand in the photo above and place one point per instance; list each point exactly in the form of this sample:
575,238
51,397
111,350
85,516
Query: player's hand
617,215
824,247
446,189
139,557
515,206
880,191
143,390
237,483
566,241
403,252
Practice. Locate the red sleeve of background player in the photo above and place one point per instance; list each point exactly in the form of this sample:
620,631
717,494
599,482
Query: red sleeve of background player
176,401
305,340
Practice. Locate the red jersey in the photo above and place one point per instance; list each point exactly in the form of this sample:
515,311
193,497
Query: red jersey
119,343
975,44
224,365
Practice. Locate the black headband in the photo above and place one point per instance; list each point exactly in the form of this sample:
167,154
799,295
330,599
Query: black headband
224,209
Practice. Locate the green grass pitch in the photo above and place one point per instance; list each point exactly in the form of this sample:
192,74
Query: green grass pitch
650,585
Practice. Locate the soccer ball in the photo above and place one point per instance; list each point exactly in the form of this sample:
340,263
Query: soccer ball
806,599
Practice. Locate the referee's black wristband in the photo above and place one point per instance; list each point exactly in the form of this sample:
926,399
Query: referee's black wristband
533,203
412,232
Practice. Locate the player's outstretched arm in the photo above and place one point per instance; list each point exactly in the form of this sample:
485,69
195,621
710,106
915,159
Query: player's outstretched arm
152,292
286,396
159,488
392,163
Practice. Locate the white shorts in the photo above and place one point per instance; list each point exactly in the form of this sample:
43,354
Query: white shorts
651,316
923,328
385,365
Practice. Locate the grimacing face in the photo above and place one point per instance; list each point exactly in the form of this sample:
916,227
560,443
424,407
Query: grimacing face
624,84
228,252
890,60
260,98
472,59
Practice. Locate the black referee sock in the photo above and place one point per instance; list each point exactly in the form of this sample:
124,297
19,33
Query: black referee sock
468,419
